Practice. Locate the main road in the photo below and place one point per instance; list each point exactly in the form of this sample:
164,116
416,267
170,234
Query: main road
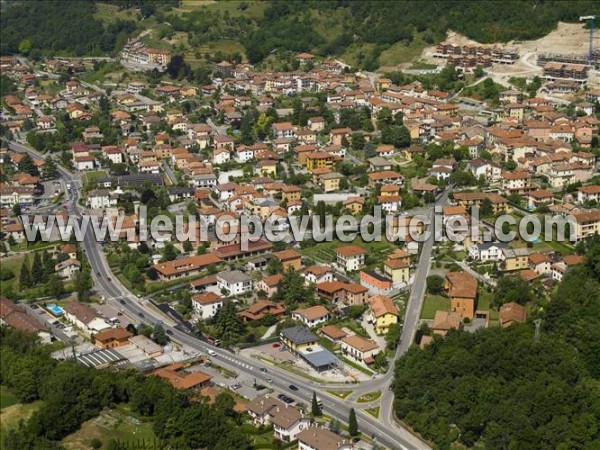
385,430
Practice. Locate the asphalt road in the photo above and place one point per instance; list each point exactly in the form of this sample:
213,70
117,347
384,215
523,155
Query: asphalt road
384,430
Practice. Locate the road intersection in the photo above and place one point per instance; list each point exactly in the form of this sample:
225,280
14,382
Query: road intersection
385,430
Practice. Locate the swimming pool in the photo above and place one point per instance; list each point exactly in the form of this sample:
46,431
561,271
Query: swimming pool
55,309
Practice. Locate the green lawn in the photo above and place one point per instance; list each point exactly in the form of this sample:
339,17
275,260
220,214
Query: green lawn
369,397
373,411
325,251
7,398
341,394
484,302
91,177
10,417
434,303
12,263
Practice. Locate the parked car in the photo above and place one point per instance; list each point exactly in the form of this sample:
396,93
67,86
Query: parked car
293,387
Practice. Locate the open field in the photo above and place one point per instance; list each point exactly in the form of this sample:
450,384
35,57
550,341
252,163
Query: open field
10,417
108,426
12,263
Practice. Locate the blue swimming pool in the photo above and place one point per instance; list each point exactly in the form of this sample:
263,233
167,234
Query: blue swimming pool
55,309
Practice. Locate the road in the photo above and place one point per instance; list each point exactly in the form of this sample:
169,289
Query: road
385,430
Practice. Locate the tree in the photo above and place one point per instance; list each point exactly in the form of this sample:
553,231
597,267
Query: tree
25,276
27,165
228,325
352,423
160,336
315,408
55,286
83,283
435,284
274,266
50,170
512,289
37,270
392,338
358,141
486,209
225,403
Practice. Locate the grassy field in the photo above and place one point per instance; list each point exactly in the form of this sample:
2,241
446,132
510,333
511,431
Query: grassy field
12,263
10,417
91,177
325,251
373,411
7,398
111,13
401,53
434,303
369,397
117,425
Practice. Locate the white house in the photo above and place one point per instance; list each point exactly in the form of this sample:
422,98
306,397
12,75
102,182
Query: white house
317,274
350,257
486,251
85,318
234,282
490,171
360,349
207,304
100,198
221,156
312,316
67,269
244,154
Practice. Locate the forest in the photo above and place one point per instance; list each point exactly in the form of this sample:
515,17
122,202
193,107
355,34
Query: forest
71,394
384,23
38,27
499,388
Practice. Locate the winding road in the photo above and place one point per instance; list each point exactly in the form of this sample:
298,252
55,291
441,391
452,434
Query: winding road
384,430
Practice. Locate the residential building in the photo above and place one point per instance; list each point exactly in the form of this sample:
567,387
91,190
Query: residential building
360,349
112,338
350,257
234,282
383,313
181,379
85,318
207,304
462,290
289,258
185,267
312,316
260,309
67,269
318,438
512,313
445,321
298,338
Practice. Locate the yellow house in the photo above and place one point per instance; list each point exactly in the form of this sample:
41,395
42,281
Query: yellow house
397,269
268,167
298,338
319,160
383,313
331,181
188,91
291,193
354,204
514,259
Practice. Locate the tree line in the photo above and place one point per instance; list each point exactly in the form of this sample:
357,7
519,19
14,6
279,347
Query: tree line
501,388
72,393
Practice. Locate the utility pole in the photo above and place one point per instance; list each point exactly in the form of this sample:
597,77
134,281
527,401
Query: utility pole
538,323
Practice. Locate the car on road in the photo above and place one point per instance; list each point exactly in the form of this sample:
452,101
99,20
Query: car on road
169,332
236,386
121,301
141,314
293,387
212,353
285,399
263,370
270,380
109,279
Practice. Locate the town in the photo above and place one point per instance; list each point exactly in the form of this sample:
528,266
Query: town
302,335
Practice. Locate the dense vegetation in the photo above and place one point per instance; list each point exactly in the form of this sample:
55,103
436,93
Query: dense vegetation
72,393
318,26
384,23
57,26
500,388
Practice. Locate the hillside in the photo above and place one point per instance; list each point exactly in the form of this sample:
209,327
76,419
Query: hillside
366,34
